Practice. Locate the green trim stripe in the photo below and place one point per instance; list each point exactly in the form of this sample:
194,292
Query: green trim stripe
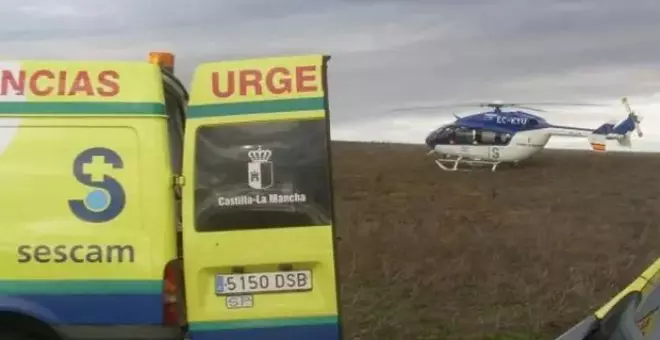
83,108
87,287
263,323
266,106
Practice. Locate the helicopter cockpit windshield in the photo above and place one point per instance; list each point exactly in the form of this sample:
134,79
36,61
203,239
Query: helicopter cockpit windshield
460,135
440,135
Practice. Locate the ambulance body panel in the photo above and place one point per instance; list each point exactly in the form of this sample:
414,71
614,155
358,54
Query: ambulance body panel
87,198
129,214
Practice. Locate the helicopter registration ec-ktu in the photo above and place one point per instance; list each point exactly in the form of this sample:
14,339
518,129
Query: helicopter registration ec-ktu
495,137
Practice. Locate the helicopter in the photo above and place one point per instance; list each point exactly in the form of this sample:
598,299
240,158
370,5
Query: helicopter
494,137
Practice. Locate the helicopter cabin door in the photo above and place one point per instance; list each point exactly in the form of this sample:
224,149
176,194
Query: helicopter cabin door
258,233
469,142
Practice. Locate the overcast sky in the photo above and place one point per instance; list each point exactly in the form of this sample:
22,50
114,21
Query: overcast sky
385,54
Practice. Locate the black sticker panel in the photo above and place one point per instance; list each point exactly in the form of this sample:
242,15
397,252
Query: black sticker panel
262,175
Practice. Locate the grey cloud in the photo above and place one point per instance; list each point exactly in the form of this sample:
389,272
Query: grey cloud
504,47
385,54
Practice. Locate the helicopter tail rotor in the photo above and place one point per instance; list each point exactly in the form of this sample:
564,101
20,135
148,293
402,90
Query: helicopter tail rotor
621,132
635,119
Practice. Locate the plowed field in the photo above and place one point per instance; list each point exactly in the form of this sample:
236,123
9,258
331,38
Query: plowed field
426,254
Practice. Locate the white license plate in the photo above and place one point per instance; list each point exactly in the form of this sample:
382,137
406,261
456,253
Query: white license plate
287,281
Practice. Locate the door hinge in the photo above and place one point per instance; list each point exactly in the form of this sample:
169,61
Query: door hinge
179,181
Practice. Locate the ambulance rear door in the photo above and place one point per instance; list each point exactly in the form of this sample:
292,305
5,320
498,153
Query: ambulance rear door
258,233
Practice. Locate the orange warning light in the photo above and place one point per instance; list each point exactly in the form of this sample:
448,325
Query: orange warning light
164,59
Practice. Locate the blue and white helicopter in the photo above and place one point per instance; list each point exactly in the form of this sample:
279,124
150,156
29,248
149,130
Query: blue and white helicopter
494,137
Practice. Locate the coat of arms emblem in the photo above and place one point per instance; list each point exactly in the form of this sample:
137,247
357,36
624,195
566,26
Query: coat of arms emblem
260,169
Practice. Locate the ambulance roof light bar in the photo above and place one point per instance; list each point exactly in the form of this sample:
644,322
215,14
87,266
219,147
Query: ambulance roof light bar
163,59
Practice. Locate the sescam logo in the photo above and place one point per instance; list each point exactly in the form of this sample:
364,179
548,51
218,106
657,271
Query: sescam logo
108,199
261,176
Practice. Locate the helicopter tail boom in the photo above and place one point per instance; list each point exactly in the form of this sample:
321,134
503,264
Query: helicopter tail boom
600,135
605,129
627,127
620,132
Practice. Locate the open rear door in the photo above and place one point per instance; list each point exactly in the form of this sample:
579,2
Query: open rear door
630,315
258,235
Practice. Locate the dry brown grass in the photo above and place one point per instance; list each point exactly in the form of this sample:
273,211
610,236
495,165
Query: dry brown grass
432,255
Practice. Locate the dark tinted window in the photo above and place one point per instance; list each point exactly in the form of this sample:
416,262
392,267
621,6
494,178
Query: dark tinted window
487,137
262,175
464,136
443,135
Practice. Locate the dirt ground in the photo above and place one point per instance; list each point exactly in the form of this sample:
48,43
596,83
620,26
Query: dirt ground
426,254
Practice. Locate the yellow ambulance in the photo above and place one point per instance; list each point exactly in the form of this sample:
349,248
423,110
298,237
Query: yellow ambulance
164,216
630,315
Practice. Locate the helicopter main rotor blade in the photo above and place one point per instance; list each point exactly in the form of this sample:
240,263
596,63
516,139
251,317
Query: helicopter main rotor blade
528,108
525,106
433,107
563,104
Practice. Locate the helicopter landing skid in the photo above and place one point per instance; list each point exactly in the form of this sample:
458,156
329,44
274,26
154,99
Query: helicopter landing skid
454,163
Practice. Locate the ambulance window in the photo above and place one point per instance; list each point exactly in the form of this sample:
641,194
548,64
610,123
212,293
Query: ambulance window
175,127
261,175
